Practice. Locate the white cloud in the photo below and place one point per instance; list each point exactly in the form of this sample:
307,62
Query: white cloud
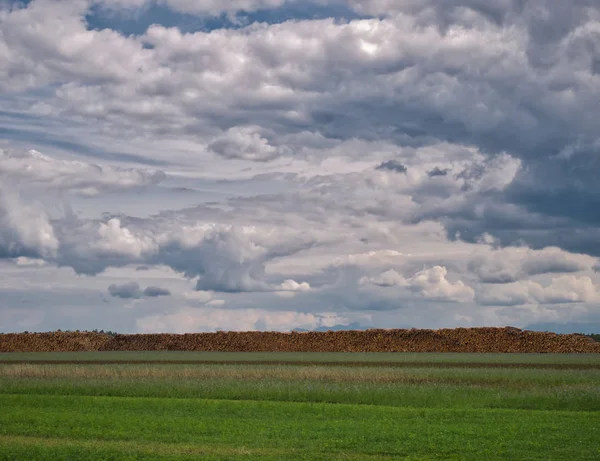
388,278
218,257
115,239
274,77
34,169
47,42
24,261
512,264
25,230
292,285
245,143
200,7
377,258
289,288
430,283
564,289
198,297
209,319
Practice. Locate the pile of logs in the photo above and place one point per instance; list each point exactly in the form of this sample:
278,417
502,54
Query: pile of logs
507,339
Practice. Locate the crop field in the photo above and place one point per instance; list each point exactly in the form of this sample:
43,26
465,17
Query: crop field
292,406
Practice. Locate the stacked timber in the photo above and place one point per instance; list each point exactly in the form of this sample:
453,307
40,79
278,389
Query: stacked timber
56,341
507,339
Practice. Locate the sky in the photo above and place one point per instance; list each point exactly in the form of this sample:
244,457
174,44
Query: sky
201,165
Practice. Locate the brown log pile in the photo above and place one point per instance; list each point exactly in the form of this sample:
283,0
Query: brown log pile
507,339
52,342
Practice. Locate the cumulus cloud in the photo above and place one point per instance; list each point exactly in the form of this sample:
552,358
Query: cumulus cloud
245,143
388,278
512,264
218,257
25,229
430,283
25,261
553,260
114,239
292,285
561,290
60,48
34,169
226,258
289,288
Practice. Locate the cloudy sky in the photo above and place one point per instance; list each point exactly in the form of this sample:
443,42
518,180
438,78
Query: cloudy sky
196,165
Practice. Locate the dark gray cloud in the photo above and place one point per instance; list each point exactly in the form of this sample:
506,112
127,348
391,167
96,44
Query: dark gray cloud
392,165
437,171
132,290
153,292
494,274
552,264
556,184
511,224
126,290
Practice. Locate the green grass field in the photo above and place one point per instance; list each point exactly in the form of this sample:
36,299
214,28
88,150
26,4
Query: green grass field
343,357
256,406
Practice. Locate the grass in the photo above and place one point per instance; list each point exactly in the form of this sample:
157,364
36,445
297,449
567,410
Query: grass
329,357
272,430
382,374
231,410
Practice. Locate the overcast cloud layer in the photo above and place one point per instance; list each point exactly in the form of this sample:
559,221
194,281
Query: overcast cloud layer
175,165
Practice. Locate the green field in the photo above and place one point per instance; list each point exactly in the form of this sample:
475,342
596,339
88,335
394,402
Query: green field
343,357
280,406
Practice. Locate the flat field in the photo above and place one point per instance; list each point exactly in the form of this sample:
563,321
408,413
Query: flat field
280,406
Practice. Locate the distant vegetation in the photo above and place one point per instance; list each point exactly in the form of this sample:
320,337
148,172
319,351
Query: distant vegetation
595,336
105,332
